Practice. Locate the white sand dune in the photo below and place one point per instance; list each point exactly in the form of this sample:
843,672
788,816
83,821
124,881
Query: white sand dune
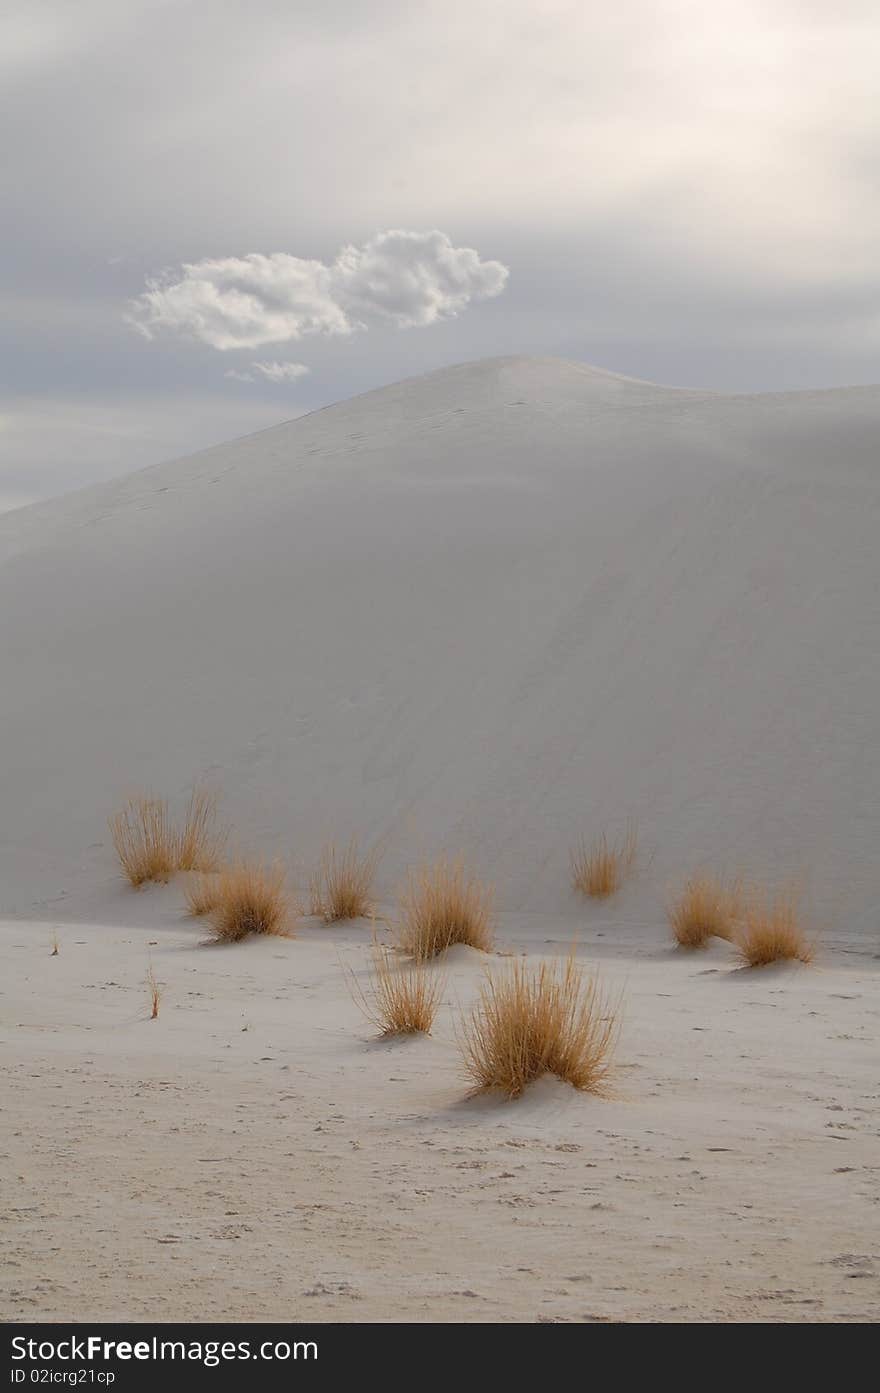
484,611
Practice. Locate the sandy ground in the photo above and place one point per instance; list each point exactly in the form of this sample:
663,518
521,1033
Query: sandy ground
253,1154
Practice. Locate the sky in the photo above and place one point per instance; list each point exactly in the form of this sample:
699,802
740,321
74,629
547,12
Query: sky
220,214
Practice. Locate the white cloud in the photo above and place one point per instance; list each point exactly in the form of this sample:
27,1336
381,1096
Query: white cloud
399,278
410,279
281,372
270,371
242,302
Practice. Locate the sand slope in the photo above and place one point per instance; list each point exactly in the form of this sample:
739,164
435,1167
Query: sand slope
480,610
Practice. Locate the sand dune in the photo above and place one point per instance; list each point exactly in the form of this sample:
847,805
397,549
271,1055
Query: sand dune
488,611
482,611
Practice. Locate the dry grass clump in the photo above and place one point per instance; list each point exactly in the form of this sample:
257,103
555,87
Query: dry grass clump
443,904
599,870
200,843
341,887
200,894
144,840
249,898
400,999
155,994
705,908
772,931
529,1021
150,847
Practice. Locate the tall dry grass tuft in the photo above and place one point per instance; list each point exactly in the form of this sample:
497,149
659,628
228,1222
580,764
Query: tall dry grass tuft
200,894
151,847
155,993
144,840
341,887
706,907
772,931
443,904
599,870
200,842
529,1021
250,898
400,999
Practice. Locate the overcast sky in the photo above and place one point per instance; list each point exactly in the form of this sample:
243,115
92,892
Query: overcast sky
218,214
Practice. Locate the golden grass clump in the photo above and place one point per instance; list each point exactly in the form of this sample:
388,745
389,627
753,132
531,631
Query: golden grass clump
200,843
150,847
200,894
705,908
250,898
144,840
401,999
443,904
529,1021
155,992
599,870
772,931
341,887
